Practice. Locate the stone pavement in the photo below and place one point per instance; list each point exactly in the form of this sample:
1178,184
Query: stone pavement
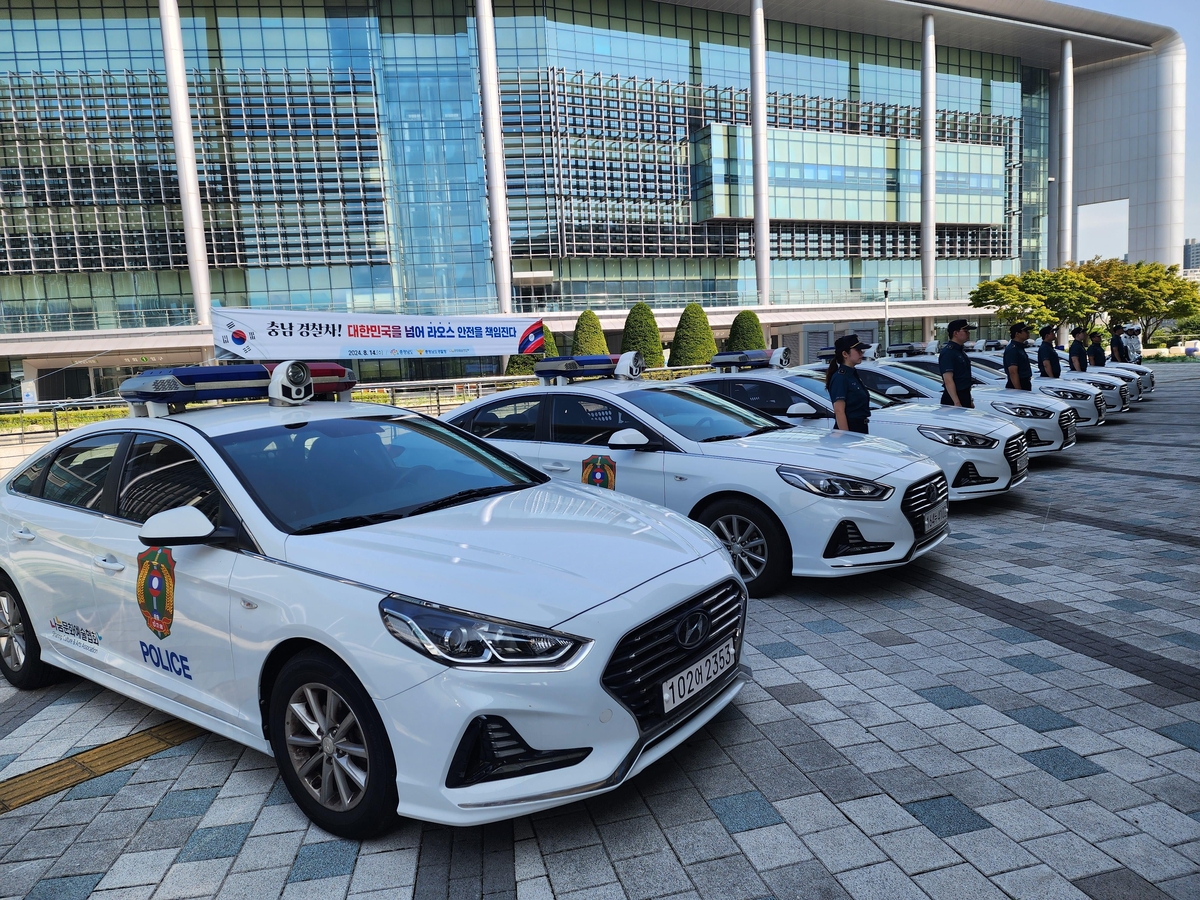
1016,715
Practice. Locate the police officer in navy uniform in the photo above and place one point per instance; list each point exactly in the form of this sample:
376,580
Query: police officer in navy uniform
1016,361
851,401
1118,347
1079,354
1048,362
1096,351
955,367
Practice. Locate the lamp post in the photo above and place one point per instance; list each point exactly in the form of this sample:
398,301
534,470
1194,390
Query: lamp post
887,318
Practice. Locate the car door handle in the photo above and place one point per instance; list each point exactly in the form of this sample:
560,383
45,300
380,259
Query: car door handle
24,534
108,563
556,467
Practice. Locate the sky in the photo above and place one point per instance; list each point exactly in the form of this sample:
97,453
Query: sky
1096,231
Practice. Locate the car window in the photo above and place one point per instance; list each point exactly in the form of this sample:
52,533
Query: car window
511,420
77,475
330,474
699,415
772,397
920,376
713,385
585,420
27,481
815,383
879,382
160,475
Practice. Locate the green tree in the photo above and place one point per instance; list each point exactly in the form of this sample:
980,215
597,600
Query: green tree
1156,293
694,344
641,333
1071,295
1117,289
746,332
589,336
1007,298
523,363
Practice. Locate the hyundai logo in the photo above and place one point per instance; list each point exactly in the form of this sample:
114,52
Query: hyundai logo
692,631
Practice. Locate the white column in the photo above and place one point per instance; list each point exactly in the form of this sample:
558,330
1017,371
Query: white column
928,159
185,159
493,153
1066,155
758,141
1170,142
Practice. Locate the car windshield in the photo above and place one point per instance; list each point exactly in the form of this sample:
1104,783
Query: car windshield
331,474
814,382
919,377
699,415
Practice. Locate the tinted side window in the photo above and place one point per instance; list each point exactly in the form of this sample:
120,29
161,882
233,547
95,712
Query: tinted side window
160,475
79,470
25,482
511,420
582,420
878,382
717,386
770,397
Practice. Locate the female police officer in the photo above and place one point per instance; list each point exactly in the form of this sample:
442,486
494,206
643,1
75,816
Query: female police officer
851,402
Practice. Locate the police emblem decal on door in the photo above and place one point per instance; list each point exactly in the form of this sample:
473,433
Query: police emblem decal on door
600,471
155,589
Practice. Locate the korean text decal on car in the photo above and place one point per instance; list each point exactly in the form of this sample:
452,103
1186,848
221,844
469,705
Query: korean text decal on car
600,471
156,589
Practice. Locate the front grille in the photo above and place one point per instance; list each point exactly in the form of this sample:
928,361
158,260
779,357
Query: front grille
645,657
1066,421
1151,381
1016,451
922,497
1124,391
1101,406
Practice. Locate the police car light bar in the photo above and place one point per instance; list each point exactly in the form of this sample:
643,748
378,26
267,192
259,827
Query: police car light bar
567,368
735,360
155,392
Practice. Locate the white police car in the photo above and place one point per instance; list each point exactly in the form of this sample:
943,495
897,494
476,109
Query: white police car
784,500
1049,424
980,455
1113,387
1130,379
1144,374
407,618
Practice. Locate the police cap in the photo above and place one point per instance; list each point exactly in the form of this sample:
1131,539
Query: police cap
959,325
1014,330
1047,329
849,342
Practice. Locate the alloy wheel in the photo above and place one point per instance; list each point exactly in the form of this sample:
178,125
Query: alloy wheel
326,746
745,543
12,633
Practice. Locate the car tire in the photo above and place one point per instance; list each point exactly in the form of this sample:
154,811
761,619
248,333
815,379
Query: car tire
747,530
343,778
20,652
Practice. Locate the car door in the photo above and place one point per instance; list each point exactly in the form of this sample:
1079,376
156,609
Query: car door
169,606
510,424
577,448
51,518
880,382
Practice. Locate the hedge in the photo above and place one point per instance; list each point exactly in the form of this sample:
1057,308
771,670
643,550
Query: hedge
589,336
694,344
746,332
641,333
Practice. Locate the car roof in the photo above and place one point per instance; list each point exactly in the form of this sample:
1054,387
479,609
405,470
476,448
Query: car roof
231,418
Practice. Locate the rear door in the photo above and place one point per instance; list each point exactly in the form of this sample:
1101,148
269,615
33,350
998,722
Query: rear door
511,424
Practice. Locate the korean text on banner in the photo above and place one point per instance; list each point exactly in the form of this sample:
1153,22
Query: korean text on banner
281,334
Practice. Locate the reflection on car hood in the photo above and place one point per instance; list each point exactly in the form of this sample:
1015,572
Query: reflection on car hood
819,448
540,555
915,414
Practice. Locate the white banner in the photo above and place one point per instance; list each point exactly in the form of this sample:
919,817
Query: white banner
280,334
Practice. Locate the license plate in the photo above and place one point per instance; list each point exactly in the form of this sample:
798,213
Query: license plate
937,517
697,677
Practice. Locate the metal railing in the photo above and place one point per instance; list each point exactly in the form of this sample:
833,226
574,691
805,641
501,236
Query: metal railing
42,421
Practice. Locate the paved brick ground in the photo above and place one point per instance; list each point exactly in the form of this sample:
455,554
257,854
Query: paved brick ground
1017,715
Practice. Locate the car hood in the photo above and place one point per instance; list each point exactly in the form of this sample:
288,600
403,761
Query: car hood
539,556
819,448
915,414
994,393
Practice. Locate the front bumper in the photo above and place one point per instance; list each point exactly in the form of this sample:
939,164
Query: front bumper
983,473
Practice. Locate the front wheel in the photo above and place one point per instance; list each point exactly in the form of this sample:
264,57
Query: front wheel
331,747
20,653
759,547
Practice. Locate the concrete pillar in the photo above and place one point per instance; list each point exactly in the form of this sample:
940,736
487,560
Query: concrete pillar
758,136
928,331
928,159
493,153
185,159
1170,139
1066,155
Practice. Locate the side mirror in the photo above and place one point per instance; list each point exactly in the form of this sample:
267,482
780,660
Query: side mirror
801,410
630,439
896,391
181,526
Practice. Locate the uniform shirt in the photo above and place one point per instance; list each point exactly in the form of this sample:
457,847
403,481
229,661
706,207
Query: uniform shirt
1119,351
953,359
1096,355
1079,352
1047,352
1015,355
846,385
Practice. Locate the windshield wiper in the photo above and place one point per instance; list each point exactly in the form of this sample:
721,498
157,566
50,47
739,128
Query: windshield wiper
465,497
734,437
348,522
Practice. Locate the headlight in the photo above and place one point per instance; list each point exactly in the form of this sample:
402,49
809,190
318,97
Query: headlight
458,638
958,438
1024,412
827,484
1064,394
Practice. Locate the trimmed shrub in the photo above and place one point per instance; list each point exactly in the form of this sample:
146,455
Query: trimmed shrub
641,333
746,332
523,363
694,344
589,336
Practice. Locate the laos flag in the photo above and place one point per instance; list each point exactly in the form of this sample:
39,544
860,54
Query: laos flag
534,339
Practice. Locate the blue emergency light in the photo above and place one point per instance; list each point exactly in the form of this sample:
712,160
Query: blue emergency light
161,389
752,359
626,366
